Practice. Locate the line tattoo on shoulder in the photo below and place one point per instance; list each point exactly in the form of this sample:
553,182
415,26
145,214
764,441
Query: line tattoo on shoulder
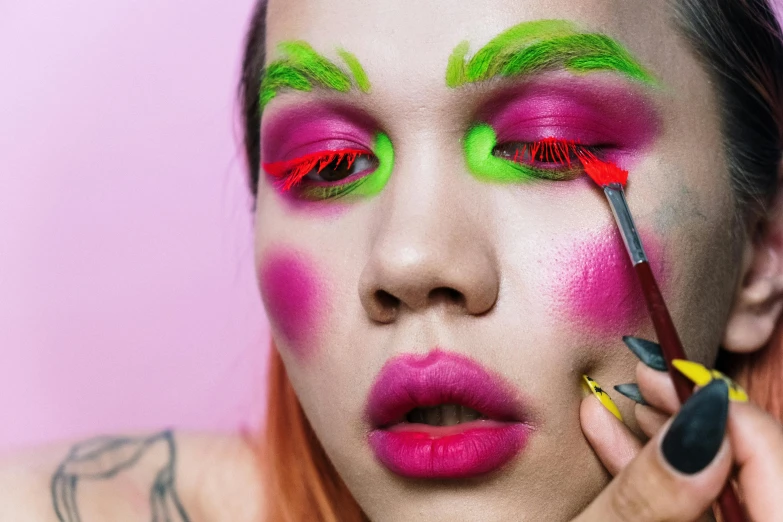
103,458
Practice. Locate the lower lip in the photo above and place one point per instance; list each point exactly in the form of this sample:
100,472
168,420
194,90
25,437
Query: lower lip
464,451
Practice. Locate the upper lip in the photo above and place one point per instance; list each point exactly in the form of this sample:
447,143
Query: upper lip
410,381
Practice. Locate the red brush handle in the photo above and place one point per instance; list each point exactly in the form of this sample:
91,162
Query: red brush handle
672,349
664,329
730,507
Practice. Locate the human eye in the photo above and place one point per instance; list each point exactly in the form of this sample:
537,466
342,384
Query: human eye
548,158
324,174
523,159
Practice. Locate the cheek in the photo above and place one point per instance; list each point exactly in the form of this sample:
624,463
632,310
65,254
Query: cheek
596,287
293,297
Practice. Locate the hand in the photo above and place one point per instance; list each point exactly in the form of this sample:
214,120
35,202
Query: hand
679,473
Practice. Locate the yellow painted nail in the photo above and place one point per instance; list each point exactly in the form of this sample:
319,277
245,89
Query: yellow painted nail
602,396
701,376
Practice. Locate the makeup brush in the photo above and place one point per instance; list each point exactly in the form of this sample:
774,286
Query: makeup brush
612,179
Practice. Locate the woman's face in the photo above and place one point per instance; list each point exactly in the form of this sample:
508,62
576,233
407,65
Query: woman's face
439,258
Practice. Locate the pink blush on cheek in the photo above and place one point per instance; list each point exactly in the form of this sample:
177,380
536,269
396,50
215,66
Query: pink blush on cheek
293,299
597,286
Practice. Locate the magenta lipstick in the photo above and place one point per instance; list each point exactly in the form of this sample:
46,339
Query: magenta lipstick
443,416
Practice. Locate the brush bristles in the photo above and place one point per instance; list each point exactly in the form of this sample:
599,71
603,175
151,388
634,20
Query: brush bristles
602,172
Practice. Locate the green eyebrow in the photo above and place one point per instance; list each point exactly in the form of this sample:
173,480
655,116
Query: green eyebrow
302,68
541,45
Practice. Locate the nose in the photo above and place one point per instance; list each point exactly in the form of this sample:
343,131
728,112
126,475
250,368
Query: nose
431,251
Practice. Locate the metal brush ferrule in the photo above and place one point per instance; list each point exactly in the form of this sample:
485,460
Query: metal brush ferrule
622,215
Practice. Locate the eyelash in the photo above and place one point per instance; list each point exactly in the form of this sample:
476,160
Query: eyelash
549,158
292,173
552,157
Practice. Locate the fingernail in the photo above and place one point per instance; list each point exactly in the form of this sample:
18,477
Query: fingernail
602,396
631,390
696,433
648,352
700,375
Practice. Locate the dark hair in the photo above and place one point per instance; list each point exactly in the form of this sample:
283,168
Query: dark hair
740,44
250,89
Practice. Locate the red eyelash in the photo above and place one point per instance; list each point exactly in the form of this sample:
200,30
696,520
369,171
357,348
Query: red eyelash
291,172
552,150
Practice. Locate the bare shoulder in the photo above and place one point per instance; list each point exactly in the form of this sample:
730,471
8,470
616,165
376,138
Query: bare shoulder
158,476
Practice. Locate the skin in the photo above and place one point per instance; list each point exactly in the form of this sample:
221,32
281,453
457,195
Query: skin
435,226
752,451
215,478
600,291
301,133
479,268
593,109
293,297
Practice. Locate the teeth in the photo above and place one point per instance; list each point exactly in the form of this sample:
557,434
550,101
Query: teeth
451,414
443,415
470,415
433,416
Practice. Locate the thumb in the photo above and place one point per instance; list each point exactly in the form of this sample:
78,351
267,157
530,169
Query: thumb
679,473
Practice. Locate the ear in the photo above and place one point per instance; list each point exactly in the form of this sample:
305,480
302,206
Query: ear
759,299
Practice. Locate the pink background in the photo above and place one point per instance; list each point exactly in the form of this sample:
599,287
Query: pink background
127,296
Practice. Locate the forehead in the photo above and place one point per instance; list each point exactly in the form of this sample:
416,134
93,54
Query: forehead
407,44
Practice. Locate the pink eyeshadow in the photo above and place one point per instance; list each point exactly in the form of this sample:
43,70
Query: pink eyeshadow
314,128
597,286
292,296
603,111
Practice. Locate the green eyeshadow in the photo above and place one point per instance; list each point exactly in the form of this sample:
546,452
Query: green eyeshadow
479,146
365,187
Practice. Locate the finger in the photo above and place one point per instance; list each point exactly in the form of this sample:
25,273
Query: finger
657,389
650,420
700,375
651,374
678,475
613,443
649,352
757,443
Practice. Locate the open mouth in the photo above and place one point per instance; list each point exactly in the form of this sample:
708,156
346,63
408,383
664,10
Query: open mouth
443,420
443,416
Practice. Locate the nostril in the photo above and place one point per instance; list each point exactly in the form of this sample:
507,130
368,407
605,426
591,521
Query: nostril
446,295
386,300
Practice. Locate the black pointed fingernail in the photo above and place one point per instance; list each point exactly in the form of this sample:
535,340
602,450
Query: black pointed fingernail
631,390
648,352
696,433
